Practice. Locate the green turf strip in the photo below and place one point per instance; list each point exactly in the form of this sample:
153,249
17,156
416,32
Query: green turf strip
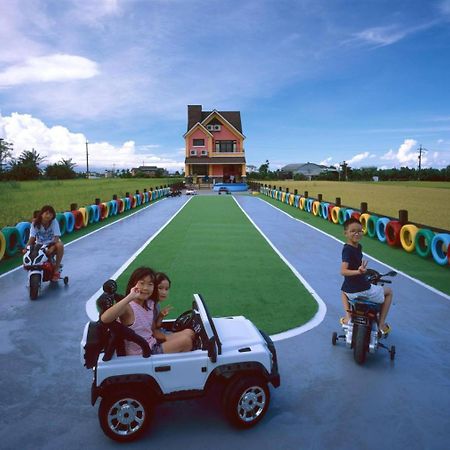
7,264
425,270
211,248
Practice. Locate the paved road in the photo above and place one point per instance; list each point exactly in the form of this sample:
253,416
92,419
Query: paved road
326,401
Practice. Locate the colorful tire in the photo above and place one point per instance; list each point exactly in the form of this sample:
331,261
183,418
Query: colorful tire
85,215
91,213
309,203
380,228
142,198
296,200
138,199
316,208
324,210
104,210
61,218
79,220
133,202
146,197
335,214
348,213
392,231
440,248
356,215
341,216
407,237
363,218
283,196
2,245
112,208
422,242
96,211
291,199
330,209
121,205
301,203
24,231
12,240
70,222
372,226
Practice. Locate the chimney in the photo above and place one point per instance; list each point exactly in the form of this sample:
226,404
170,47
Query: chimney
194,115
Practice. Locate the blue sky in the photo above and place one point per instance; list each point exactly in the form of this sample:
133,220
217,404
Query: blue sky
321,80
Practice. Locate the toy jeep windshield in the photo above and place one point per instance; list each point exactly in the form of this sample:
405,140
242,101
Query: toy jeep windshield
229,351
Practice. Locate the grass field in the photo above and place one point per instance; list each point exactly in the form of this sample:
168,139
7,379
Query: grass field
212,248
20,199
426,202
422,269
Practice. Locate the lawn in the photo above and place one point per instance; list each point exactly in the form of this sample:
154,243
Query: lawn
20,199
211,248
426,202
425,270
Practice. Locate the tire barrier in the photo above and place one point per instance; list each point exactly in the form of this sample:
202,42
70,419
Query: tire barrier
363,218
422,242
85,215
315,208
335,214
392,231
395,233
380,228
407,237
12,240
24,231
372,226
70,222
341,216
61,218
2,245
79,220
440,248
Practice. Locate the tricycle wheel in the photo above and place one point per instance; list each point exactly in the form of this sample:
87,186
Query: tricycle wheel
66,280
124,415
35,282
334,338
246,400
360,349
392,352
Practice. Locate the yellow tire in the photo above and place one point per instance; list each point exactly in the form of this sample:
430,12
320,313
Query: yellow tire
335,214
301,203
85,215
408,237
291,199
2,245
363,218
315,208
283,196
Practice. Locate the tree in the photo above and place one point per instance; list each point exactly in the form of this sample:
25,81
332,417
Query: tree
26,167
263,170
6,149
62,170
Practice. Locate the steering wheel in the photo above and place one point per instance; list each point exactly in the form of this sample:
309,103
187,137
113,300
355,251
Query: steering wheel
184,321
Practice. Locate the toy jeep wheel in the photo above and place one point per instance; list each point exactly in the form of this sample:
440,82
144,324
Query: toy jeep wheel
246,400
124,415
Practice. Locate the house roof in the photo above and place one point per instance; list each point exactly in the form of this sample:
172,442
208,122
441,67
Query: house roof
195,114
307,168
215,160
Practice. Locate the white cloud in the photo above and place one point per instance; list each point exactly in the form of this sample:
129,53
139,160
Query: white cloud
326,162
57,67
381,35
357,158
27,132
406,155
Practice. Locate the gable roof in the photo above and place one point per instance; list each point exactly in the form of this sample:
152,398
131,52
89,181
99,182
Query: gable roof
307,168
195,114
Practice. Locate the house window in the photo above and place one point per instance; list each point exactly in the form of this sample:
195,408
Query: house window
226,146
199,143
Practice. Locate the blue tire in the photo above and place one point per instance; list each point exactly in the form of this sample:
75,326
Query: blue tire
24,231
439,248
380,228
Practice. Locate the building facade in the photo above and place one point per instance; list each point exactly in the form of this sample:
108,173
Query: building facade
214,146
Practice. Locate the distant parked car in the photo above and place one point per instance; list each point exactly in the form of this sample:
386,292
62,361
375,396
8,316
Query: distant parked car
224,190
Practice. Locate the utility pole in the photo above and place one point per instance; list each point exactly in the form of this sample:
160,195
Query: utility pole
421,150
344,171
87,159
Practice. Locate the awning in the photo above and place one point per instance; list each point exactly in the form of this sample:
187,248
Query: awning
216,160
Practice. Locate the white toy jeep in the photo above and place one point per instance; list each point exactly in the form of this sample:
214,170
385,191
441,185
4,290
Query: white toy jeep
230,351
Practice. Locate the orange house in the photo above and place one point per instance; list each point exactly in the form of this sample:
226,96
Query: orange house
214,145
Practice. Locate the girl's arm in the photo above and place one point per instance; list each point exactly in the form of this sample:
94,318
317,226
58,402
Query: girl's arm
162,314
346,272
121,309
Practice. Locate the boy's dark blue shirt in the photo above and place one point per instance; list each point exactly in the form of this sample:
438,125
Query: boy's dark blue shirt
353,256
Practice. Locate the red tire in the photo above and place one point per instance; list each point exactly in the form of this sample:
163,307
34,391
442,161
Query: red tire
79,219
392,231
356,215
330,208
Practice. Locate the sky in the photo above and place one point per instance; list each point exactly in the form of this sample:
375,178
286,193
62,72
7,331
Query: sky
324,81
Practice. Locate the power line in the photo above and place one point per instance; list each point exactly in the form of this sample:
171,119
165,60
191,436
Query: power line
421,150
